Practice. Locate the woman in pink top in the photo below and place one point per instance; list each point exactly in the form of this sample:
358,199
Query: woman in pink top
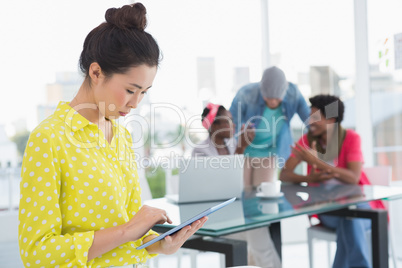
334,156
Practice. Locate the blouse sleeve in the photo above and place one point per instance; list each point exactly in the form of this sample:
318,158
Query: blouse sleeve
41,241
353,145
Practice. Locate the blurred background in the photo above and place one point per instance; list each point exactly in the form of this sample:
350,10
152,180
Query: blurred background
210,49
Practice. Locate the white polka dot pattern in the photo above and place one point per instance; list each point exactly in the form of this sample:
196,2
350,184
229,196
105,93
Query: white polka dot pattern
73,184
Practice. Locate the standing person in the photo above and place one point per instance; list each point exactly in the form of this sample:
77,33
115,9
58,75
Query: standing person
269,105
218,121
80,194
334,156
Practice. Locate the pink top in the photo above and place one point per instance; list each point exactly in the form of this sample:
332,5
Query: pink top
350,152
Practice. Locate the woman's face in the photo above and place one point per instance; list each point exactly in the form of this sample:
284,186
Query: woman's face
224,126
318,123
118,94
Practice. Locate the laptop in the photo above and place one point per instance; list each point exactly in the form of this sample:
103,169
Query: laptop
203,179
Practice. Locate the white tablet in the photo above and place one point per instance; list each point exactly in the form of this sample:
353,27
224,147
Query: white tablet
188,222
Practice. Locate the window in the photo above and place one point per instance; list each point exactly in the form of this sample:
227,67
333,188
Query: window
385,48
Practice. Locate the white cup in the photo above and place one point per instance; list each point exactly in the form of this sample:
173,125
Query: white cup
269,188
268,208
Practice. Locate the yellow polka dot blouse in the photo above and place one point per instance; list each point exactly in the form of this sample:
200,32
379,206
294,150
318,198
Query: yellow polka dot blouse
74,183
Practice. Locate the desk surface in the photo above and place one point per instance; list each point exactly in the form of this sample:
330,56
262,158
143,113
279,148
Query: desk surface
252,211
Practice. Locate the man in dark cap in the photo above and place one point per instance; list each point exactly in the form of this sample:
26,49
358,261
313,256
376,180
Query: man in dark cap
268,106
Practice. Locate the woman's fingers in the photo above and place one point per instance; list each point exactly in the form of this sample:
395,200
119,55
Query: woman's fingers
162,217
314,145
199,224
194,228
314,168
172,243
189,230
168,239
300,147
168,219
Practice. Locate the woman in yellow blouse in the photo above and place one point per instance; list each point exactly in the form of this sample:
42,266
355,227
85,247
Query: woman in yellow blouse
80,195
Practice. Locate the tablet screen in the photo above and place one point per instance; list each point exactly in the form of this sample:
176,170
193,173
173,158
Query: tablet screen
188,222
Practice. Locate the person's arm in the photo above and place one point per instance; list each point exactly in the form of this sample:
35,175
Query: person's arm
303,110
110,238
288,174
245,139
105,240
350,175
240,149
298,155
42,242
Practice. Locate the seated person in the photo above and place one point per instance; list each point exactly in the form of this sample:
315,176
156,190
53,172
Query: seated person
334,156
218,121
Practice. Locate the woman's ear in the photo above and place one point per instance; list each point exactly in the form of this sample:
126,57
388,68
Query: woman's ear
95,72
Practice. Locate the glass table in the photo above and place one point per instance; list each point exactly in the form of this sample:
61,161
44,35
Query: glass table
252,211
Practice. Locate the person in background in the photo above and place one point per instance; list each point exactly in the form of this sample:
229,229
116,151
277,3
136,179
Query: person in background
80,200
334,156
269,105
218,121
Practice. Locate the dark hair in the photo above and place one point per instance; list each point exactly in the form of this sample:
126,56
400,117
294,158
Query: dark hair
120,42
206,111
330,106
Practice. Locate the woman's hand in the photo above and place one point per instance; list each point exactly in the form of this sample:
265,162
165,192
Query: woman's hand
309,155
249,133
171,243
320,176
112,237
246,138
143,221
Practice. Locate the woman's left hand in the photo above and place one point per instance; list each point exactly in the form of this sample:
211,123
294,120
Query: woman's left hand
171,243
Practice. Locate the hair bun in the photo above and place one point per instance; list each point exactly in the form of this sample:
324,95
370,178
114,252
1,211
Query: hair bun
128,16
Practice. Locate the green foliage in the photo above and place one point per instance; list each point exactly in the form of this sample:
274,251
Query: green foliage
21,139
175,171
156,180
